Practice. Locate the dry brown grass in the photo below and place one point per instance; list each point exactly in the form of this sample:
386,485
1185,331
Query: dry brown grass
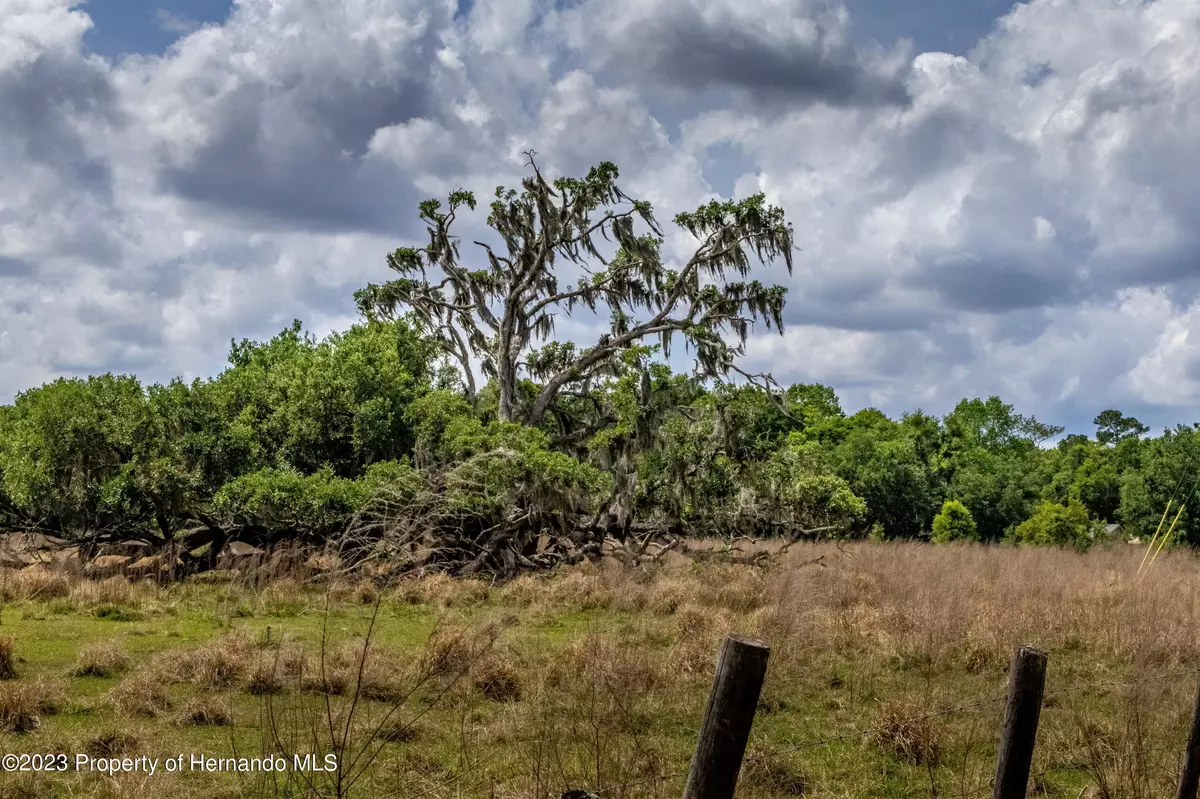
361,592
118,591
8,660
220,664
19,708
398,730
778,775
52,695
907,730
978,603
603,682
272,669
34,583
611,586
880,636
700,631
452,648
111,743
143,693
101,660
497,676
441,591
23,704
205,711
355,667
285,595
621,665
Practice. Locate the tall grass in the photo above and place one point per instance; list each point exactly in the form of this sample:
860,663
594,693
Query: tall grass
594,678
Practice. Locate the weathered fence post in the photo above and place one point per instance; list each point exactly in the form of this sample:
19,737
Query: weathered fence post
727,719
1190,777
1026,682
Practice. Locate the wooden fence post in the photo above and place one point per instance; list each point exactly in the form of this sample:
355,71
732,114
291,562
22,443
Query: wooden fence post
727,719
1027,680
1190,777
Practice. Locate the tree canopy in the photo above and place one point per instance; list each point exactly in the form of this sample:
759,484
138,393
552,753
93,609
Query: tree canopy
385,426
502,311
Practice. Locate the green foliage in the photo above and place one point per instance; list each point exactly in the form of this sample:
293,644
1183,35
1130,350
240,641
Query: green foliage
506,472
1097,486
882,466
994,425
294,402
104,455
502,312
287,499
954,523
298,434
499,471
443,425
316,505
1053,524
65,446
1156,471
800,491
1112,426
997,488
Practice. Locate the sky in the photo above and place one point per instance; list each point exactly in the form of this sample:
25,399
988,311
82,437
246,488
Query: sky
987,198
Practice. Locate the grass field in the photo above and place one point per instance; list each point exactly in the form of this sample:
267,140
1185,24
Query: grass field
595,678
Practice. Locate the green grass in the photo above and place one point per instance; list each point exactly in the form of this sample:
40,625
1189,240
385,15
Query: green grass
49,636
612,683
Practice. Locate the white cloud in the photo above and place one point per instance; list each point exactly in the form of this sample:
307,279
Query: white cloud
173,22
1018,220
33,28
1168,373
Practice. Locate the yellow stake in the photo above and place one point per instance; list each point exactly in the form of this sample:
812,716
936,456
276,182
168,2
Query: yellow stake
1166,510
1168,535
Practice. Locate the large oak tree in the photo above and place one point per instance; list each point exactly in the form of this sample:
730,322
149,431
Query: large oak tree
499,310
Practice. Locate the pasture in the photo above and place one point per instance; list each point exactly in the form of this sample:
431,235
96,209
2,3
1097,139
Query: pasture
887,676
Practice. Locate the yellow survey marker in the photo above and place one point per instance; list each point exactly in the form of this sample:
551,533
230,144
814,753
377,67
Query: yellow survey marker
1155,538
1163,543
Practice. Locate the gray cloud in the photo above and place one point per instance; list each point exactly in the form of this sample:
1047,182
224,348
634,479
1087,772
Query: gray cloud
773,51
286,119
59,109
315,178
39,104
15,267
975,284
688,53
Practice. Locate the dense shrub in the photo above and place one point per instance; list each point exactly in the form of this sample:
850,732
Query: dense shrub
1053,524
954,523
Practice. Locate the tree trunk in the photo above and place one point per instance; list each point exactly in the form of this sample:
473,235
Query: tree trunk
504,412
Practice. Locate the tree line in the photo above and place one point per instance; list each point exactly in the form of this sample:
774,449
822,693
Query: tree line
298,436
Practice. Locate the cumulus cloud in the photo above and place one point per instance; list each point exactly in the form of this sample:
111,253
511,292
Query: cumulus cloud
54,102
772,49
270,113
1016,220
1029,186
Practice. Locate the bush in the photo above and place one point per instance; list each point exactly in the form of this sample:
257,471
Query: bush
319,503
508,471
1053,524
954,523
